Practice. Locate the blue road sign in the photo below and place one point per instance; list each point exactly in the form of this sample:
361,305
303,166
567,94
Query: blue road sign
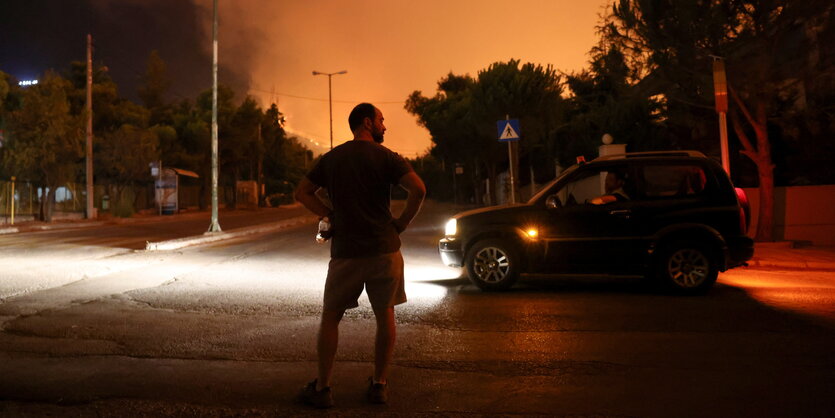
508,130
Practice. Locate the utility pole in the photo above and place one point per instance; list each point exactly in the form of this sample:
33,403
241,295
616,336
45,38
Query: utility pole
215,225
260,191
11,199
720,91
89,146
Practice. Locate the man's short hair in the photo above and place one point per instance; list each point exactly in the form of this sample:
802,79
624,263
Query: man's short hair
620,173
360,112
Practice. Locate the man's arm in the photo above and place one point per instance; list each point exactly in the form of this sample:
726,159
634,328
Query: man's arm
417,191
602,200
306,195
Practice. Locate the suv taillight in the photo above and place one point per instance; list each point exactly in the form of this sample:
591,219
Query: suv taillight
744,210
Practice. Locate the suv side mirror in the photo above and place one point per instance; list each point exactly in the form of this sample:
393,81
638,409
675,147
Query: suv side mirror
553,202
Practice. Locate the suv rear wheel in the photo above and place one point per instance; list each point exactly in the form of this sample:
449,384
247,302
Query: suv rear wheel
687,267
493,264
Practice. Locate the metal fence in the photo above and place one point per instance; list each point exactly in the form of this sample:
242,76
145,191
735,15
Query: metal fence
27,199
71,198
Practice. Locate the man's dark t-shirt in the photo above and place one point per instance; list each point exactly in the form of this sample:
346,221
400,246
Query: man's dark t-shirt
358,176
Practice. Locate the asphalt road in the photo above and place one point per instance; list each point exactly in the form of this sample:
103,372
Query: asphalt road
90,328
134,234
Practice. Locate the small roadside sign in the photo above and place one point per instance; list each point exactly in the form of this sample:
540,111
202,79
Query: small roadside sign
508,130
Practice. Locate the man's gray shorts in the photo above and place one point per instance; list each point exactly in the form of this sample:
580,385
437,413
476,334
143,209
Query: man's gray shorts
382,277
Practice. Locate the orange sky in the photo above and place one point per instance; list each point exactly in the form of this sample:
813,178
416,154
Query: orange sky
391,48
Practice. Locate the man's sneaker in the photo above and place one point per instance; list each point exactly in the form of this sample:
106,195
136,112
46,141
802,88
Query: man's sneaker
316,398
377,392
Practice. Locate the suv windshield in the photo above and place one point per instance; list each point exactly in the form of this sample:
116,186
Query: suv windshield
549,186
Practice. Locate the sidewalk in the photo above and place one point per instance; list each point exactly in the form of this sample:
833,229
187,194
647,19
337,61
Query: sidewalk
237,222
72,223
782,255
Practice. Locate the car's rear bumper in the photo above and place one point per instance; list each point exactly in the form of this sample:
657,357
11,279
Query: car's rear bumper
451,252
740,250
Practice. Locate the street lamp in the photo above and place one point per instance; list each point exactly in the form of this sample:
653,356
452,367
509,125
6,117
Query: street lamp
330,101
214,226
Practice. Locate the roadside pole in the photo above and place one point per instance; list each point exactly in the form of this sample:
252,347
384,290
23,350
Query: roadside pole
12,200
509,131
720,92
89,145
160,189
511,169
533,179
215,225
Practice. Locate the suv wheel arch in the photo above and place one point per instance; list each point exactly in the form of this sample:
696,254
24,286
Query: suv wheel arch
709,237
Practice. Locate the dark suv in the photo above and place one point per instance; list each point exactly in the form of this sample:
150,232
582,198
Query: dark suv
672,216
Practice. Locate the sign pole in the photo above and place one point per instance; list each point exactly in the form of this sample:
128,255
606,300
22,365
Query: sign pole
510,167
509,131
510,170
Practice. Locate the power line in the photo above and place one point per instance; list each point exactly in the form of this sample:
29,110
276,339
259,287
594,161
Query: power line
325,100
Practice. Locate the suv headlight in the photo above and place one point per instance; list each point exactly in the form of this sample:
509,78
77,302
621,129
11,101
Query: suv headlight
451,227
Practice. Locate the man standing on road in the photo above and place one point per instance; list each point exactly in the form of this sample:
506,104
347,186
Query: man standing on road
365,251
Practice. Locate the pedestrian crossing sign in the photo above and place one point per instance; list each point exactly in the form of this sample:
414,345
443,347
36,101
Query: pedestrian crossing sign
508,130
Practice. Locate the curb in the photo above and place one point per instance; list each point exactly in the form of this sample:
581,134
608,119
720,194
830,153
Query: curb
60,225
792,265
86,223
208,237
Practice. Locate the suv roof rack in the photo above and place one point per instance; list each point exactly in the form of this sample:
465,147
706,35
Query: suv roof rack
685,153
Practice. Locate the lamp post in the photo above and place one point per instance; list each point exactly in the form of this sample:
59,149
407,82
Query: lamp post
214,226
330,100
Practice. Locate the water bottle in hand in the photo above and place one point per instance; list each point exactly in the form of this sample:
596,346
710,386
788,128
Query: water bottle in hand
324,233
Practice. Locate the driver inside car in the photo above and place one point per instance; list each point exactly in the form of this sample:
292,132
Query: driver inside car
614,189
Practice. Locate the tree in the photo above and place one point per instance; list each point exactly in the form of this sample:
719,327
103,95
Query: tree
4,88
155,82
105,94
123,159
5,108
604,101
243,146
153,89
450,120
45,139
670,44
285,159
462,116
191,141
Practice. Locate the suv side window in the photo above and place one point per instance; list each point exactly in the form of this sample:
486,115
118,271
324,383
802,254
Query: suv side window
589,184
672,181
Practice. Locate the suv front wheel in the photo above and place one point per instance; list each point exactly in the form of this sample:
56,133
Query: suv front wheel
687,267
493,264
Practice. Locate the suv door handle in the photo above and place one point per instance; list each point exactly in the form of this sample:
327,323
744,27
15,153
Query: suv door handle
623,213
